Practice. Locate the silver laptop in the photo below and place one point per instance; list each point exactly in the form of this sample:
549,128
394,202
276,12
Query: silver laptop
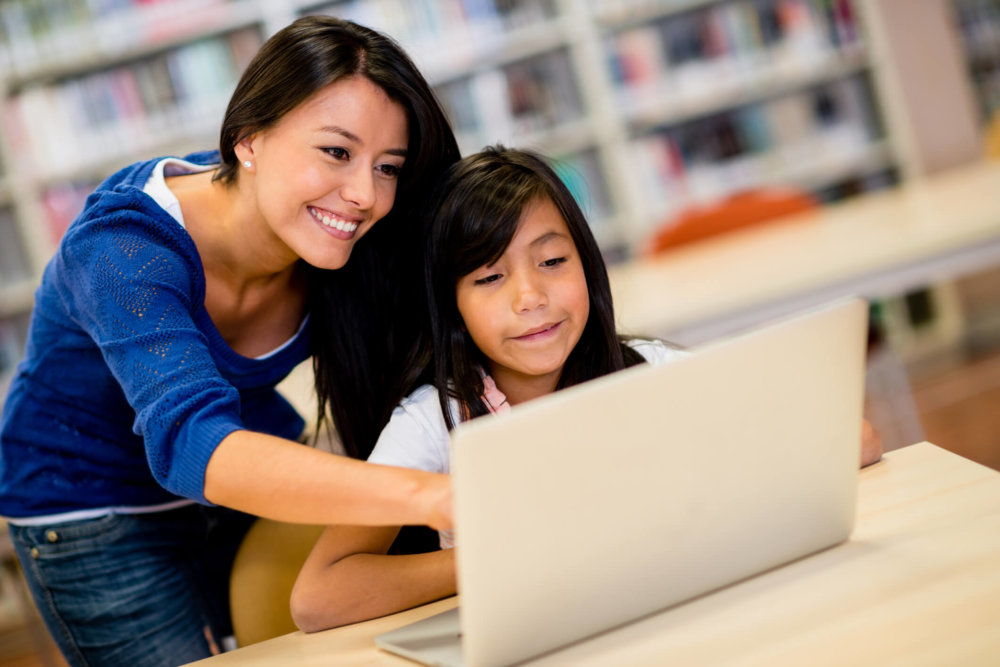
608,501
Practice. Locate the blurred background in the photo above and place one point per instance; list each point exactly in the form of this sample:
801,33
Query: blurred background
656,112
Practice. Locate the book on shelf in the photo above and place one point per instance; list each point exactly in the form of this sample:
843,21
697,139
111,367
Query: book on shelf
696,51
40,34
542,92
15,266
445,31
978,22
125,112
842,22
510,103
584,177
13,334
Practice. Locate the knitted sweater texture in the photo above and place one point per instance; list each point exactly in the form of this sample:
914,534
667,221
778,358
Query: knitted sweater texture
127,387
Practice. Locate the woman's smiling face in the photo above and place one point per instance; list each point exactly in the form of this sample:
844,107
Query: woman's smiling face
328,170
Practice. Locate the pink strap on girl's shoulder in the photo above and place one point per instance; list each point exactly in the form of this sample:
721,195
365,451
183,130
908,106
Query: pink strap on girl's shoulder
492,396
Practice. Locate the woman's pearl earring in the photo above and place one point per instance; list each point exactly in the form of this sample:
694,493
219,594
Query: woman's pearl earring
247,164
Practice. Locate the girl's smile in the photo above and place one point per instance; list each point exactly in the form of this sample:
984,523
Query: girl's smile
527,311
539,333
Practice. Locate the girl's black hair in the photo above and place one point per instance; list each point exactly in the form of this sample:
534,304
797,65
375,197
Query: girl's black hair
474,217
365,318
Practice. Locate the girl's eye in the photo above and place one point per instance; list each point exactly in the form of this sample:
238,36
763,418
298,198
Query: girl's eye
338,153
554,261
488,279
388,170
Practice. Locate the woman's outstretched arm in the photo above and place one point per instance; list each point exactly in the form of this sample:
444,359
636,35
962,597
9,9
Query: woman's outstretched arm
275,478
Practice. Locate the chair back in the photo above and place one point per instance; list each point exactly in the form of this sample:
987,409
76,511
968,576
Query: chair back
992,136
264,572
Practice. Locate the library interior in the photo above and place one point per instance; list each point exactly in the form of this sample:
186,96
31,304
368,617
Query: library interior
737,160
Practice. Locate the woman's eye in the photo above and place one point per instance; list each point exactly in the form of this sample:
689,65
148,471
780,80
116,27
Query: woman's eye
388,170
488,279
338,153
554,261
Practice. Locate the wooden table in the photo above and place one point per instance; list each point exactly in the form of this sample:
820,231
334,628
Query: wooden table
918,583
875,245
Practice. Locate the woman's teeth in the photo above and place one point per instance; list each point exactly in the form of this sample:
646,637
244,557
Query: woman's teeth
333,221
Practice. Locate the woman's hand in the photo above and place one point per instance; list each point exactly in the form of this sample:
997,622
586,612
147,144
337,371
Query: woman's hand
437,502
871,444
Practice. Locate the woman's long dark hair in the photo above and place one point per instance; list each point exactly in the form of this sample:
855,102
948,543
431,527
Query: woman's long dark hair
475,215
365,318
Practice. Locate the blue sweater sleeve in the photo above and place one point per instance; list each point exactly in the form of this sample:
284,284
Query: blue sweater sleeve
131,278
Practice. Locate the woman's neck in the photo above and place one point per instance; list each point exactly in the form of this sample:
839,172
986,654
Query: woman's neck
254,284
234,241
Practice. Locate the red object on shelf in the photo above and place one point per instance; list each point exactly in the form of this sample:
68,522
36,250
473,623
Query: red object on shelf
737,211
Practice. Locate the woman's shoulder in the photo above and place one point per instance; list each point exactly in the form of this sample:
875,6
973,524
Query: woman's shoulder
123,191
656,351
136,175
123,237
119,208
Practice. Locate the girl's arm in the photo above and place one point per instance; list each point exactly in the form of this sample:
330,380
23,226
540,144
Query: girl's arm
348,578
275,478
871,444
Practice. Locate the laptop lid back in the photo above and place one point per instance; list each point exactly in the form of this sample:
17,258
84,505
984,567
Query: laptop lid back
616,498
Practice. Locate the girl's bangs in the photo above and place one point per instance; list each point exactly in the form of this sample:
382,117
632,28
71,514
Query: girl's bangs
483,236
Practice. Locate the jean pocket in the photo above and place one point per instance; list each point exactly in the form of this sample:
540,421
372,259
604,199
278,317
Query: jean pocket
73,537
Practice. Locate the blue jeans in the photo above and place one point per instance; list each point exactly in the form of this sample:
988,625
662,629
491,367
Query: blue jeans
134,589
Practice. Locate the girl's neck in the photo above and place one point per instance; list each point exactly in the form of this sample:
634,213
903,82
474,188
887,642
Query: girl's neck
518,388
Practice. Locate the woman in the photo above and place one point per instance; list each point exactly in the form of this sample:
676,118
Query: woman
185,290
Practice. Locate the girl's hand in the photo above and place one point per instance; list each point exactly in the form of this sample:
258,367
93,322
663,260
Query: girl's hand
871,444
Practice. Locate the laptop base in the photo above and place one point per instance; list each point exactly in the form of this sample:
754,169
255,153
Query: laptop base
435,640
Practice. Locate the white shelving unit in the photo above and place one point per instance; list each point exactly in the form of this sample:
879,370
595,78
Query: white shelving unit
664,106
83,95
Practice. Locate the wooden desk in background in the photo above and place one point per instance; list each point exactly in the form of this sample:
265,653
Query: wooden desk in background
918,583
875,245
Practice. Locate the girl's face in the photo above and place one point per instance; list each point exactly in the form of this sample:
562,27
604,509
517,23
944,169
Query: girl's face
527,311
328,170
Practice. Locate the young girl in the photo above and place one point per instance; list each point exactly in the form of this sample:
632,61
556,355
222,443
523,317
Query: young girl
520,306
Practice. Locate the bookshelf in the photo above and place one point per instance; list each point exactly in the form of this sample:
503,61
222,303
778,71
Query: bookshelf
722,96
646,105
978,22
610,83
54,38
